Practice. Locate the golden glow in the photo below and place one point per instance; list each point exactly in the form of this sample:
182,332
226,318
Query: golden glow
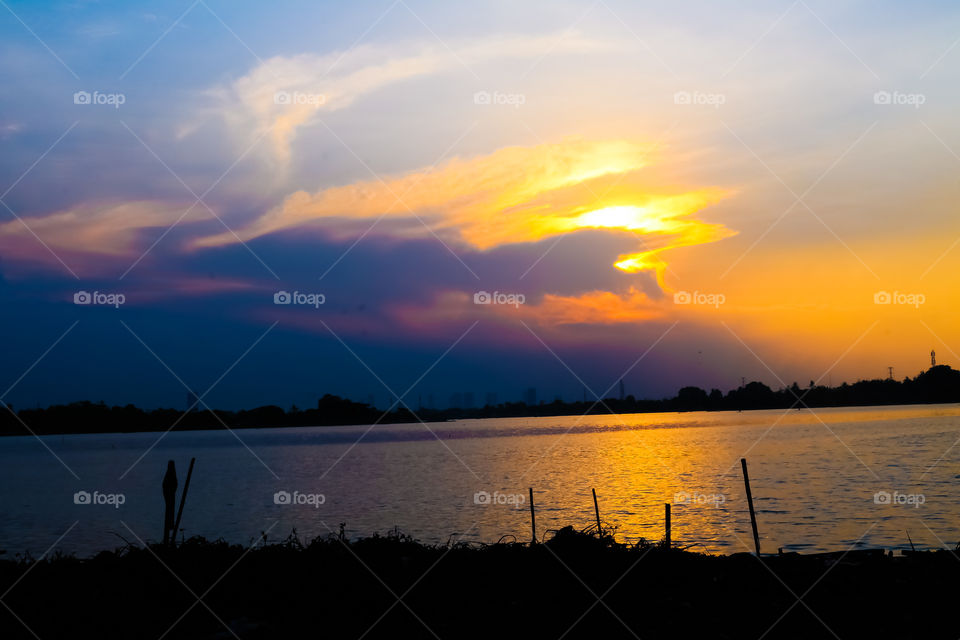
514,195
592,307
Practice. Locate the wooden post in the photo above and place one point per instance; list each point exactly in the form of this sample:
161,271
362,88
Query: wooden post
596,510
533,519
666,538
183,498
753,514
169,487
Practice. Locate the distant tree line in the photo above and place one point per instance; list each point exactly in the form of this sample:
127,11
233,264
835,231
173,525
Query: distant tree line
939,384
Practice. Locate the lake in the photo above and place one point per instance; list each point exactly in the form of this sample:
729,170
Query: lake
822,481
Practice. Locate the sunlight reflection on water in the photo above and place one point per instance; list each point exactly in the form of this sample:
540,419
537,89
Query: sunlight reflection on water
814,482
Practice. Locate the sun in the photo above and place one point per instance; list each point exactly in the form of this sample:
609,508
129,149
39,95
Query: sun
666,220
630,218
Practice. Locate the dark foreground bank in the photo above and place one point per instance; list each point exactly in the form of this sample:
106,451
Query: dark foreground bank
573,586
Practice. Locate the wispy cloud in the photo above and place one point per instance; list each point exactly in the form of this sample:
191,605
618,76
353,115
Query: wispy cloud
111,230
286,93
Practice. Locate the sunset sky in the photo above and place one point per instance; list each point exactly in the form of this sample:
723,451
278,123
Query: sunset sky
783,163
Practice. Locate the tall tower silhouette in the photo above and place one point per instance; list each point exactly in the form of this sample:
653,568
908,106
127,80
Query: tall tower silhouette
933,358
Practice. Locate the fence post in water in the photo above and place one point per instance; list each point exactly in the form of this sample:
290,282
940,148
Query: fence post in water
183,498
596,510
666,513
533,519
753,514
169,487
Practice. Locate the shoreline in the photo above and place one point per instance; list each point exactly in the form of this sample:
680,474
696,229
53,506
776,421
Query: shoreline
937,385
220,427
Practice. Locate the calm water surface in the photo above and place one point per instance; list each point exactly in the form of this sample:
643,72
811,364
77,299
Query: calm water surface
814,477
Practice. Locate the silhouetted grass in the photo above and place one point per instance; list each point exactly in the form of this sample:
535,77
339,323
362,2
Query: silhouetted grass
337,588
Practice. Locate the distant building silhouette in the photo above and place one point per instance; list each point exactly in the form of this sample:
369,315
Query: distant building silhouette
933,358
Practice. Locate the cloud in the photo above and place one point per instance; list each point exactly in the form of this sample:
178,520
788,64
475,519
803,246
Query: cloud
111,230
513,195
9,129
285,93
595,307
592,307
